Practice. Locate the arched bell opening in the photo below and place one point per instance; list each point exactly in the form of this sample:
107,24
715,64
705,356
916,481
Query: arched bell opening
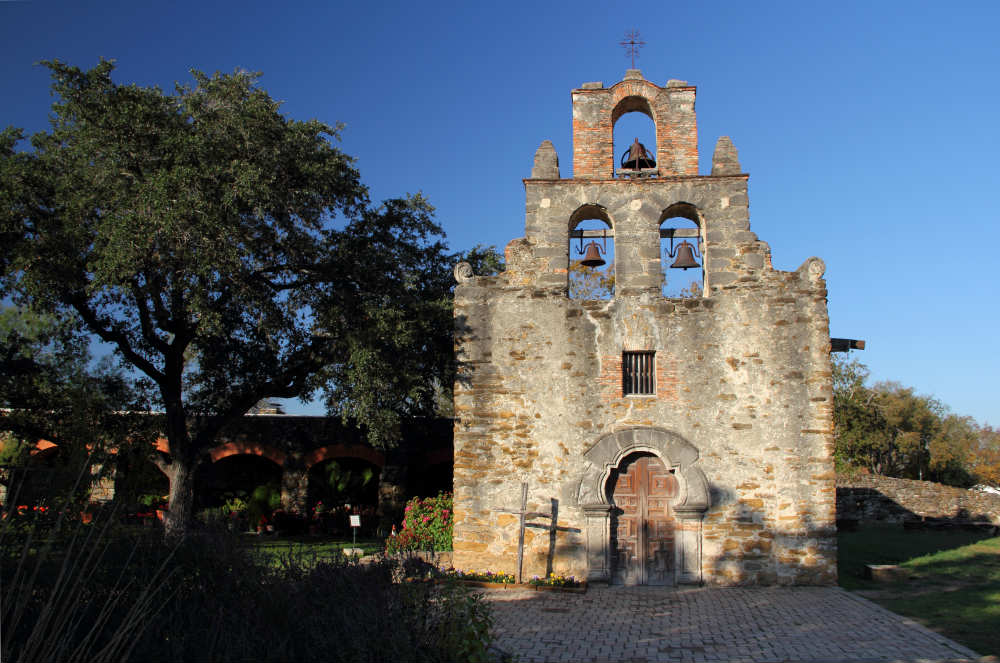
682,252
640,492
634,138
591,268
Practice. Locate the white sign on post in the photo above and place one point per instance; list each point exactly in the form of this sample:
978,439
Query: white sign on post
355,524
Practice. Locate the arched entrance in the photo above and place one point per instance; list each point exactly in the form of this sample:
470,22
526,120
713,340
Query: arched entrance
677,492
640,491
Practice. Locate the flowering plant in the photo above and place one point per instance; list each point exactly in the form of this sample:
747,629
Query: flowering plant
426,525
479,576
553,580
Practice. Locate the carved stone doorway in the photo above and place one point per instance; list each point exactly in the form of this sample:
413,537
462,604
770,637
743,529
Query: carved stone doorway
641,490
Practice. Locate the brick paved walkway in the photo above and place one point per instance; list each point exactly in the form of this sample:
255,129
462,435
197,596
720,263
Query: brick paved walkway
643,624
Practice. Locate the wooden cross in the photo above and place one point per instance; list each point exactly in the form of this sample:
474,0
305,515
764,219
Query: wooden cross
633,44
552,528
523,514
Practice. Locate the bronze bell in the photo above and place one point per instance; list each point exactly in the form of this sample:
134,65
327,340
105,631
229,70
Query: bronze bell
637,157
685,257
593,256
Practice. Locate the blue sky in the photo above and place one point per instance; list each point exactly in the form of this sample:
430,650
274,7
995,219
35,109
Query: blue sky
870,129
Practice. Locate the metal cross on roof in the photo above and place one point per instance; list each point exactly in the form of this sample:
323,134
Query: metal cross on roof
632,45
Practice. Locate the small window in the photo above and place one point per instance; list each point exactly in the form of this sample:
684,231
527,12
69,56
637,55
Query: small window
637,373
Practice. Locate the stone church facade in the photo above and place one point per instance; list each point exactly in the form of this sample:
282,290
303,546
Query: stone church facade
676,440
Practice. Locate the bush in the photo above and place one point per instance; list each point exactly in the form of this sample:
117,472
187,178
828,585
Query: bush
75,591
305,607
426,525
99,592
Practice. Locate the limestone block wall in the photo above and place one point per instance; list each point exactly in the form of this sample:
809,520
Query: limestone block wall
741,410
874,498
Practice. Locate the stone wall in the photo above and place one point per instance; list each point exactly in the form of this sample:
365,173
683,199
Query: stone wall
875,498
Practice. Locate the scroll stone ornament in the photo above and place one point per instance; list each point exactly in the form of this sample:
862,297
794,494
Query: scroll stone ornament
463,272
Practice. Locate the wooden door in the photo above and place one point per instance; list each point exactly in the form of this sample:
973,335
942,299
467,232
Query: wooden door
643,536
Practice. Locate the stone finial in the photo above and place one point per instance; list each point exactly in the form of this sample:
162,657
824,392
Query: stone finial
593,85
633,75
725,160
674,82
463,272
546,162
813,269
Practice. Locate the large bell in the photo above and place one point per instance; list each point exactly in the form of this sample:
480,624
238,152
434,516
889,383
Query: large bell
685,257
593,256
637,157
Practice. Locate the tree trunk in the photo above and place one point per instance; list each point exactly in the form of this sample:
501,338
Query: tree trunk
180,513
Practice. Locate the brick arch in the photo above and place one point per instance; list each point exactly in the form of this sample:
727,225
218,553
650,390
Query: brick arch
633,103
249,449
345,451
675,452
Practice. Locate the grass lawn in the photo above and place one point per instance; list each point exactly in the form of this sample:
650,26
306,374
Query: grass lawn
954,586
311,545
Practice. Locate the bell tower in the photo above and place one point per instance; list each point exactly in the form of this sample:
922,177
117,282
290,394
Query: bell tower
596,109
679,439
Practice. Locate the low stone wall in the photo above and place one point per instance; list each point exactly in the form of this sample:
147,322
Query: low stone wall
869,498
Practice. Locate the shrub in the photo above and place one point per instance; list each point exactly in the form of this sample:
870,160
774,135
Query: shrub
308,607
100,593
426,525
75,591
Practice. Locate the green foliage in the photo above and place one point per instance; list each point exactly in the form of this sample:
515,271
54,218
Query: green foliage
591,282
14,450
227,253
97,593
485,260
75,591
555,580
52,389
151,501
262,502
427,525
498,577
341,479
888,429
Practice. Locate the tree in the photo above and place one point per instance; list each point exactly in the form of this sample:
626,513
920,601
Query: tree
986,456
51,389
227,254
591,282
859,424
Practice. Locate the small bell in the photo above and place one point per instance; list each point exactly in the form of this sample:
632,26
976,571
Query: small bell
593,256
637,158
685,257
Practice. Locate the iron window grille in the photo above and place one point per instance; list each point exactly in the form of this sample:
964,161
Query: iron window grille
638,373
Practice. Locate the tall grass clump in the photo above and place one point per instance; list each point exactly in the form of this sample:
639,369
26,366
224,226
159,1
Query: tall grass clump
102,591
73,591
230,604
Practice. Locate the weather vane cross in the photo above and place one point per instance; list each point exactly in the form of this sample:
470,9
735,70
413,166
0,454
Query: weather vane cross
632,45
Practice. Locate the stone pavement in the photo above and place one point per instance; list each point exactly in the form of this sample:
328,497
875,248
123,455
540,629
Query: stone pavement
644,624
